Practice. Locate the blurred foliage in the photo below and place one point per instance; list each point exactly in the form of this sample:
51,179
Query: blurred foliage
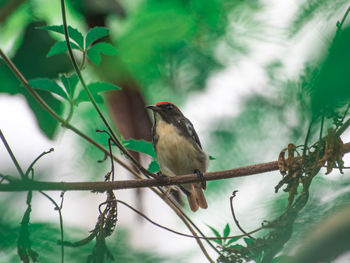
322,90
30,58
244,137
328,84
170,46
166,45
327,195
44,237
310,9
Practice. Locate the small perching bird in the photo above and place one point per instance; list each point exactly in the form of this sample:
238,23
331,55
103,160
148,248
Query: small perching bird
179,150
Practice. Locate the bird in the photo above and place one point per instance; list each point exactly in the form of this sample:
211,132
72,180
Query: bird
179,150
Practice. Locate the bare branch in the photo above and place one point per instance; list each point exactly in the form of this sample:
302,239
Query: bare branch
20,185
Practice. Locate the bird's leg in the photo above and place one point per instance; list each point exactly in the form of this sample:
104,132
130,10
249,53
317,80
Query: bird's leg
201,178
161,176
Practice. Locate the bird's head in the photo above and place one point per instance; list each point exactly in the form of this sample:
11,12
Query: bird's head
165,110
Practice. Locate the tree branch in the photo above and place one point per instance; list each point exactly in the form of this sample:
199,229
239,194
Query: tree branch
20,185
8,9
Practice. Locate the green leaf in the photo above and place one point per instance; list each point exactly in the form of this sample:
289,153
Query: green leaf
47,85
257,258
72,32
140,146
328,85
236,246
218,241
216,233
70,83
232,240
95,88
153,166
211,157
60,47
227,230
102,86
282,259
83,97
95,34
94,53
47,124
248,241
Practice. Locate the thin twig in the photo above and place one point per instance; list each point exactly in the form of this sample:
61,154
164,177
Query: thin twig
70,113
171,230
234,216
110,154
36,159
345,113
112,161
19,169
83,60
58,208
185,218
340,24
342,128
307,138
321,130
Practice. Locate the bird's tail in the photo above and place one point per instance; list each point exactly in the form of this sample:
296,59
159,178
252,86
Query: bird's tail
196,198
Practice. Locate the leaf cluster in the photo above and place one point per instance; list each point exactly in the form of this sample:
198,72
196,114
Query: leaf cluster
77,41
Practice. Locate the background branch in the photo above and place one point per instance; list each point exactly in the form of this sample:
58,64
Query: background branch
7,9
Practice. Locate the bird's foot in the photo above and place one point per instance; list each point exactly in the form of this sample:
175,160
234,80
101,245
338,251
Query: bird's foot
160,175
201,178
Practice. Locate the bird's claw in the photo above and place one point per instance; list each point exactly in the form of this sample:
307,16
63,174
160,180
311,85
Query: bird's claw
201,178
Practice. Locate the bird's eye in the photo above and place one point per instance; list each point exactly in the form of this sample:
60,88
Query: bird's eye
170,107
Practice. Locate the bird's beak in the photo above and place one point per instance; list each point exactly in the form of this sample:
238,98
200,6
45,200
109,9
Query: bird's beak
153,107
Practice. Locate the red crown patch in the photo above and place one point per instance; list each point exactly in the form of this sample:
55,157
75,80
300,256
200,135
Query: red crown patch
163,102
